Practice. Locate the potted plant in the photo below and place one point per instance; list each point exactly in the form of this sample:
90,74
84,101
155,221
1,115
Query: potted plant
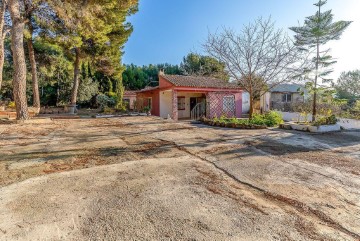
147,110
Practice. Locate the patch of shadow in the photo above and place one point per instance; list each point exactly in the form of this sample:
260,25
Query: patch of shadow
216,185
276,148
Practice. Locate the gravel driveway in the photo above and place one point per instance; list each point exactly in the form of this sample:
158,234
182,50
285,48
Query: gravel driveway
142,178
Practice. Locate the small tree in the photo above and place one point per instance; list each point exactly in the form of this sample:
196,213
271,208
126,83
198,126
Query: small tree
348,85
258,58
318,30
17,47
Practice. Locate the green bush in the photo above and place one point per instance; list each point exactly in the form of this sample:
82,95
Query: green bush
273,118
326,120
104,101
258,119
270,119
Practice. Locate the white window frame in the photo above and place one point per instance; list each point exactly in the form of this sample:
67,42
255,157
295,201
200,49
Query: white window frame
286,97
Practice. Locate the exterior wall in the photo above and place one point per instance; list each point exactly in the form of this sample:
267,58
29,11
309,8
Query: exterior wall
131,99
245,102
238,104
186,113
277,103
163,83
215,103
154,95
166,100
295,97
165,104
265,102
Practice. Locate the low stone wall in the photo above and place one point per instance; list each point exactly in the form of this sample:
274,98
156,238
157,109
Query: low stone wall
347,124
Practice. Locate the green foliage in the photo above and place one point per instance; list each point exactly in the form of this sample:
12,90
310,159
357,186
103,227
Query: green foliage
316,32
270,119
146,109
108,110
326,120
258,119
87,90
273,118
195,64
138,77
104,101
348,85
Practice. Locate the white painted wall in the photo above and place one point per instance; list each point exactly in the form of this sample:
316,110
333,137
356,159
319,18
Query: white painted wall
166,104
347,124
265,102
294,116
245,102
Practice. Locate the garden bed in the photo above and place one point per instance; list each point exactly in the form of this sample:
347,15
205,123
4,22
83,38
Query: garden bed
321,125
230,124
258,121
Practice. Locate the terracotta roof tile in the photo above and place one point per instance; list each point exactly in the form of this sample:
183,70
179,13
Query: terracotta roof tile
130,92
199,82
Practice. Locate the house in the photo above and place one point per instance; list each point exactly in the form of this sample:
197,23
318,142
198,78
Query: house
129,99
190,97
282,96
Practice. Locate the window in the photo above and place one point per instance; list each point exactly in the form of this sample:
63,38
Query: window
149,103
286,98
126,102
228,104
181,103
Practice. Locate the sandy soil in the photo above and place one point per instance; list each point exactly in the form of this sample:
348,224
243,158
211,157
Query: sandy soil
142,178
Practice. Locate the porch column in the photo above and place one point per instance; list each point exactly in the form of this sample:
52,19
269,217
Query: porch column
174,105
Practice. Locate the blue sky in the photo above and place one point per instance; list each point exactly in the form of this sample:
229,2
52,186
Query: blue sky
167,30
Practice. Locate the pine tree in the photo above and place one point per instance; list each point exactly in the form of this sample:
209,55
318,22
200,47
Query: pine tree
318,30
17,47
2,38
95,30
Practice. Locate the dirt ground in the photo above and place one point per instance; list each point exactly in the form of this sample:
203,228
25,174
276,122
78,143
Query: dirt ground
142,178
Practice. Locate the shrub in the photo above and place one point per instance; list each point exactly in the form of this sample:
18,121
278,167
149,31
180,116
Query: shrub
104,101
108,110
146,109
326,120
257,119
273,118
11,105
269,119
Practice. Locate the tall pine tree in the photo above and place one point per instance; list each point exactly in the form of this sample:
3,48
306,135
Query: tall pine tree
317,31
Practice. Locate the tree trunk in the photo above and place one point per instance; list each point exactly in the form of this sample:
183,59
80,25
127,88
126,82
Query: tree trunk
314,112
75,88
17,46
2,38
251,101
35,83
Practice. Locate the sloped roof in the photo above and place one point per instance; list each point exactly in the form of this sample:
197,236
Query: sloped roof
129,92
288,88
199,82
148,88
